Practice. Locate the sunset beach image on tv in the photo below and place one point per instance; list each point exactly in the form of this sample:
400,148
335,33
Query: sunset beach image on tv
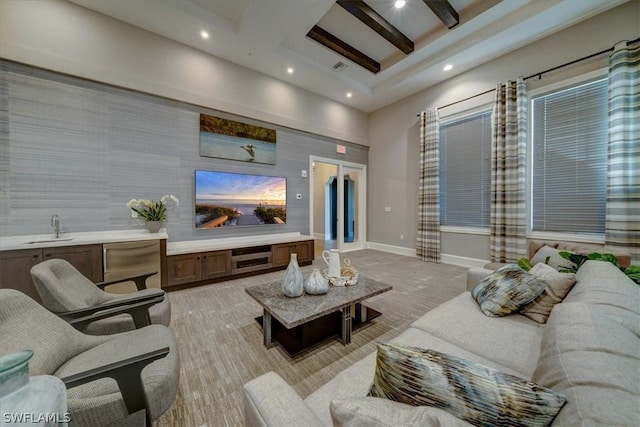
226,199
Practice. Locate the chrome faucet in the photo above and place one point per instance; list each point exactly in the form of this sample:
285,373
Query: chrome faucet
55,223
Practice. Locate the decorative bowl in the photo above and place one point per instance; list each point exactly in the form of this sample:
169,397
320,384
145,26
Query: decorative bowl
340,280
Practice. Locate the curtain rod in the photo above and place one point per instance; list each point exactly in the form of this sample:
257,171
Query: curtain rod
584,58
539,74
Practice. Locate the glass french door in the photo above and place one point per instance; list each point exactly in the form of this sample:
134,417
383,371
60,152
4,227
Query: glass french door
338,205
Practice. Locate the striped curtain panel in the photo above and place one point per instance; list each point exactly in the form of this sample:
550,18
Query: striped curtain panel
622,222
428,239
508,169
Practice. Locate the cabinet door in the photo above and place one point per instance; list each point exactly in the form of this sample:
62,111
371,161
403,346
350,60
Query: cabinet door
183,269
15,269
215,264
304,251
281,254
87,259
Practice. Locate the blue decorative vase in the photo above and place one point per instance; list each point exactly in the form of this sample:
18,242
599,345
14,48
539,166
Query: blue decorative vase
39,400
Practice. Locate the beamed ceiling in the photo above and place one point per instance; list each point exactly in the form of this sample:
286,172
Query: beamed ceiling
369,48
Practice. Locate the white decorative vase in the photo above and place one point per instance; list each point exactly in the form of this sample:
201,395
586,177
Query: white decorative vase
154,226
292,282
316,284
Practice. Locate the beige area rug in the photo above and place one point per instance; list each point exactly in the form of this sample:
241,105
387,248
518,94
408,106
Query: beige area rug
221,348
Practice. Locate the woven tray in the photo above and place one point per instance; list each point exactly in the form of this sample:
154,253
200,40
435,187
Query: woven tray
340,280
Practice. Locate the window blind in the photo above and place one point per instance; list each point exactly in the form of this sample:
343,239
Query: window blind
569,159
465,171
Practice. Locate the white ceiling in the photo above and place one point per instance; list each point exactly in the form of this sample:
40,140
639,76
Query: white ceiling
270,35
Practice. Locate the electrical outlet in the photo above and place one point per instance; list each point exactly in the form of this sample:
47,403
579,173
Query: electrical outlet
134,214
304,173
387,209
402,237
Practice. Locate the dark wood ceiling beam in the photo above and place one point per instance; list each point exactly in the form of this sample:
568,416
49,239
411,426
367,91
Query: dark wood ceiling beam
377,23
444,11
335,44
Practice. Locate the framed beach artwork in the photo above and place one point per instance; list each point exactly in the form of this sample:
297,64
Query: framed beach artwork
228,139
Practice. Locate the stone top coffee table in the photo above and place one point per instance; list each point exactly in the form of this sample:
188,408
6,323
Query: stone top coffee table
299,323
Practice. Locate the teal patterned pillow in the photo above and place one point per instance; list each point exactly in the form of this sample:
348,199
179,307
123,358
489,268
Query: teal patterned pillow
506,290
477,394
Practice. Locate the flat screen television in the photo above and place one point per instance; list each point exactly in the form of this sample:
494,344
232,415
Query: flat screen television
226,199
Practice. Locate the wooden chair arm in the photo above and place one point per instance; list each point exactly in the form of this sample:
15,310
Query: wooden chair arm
139,312
127,374
140,281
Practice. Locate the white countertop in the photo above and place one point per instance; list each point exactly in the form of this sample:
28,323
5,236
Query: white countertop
35,241
191,246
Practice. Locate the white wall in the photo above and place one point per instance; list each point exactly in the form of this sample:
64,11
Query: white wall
61,36
394,130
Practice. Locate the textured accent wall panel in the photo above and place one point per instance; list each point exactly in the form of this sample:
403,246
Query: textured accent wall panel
82,150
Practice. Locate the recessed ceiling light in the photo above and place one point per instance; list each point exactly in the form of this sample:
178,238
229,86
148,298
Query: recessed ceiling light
290,70
204,34
349,94
399,4
447,67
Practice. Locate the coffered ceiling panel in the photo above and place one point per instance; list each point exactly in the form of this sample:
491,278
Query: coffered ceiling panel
270,36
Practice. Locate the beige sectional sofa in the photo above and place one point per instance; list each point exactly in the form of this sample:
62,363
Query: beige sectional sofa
589,350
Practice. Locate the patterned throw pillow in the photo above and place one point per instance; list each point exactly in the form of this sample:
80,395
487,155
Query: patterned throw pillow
506,290
558,286
472,392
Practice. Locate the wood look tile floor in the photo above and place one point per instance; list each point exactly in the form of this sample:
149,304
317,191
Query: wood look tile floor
221,348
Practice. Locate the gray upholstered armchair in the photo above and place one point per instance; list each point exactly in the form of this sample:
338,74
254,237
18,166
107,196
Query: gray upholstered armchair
84,304
121,379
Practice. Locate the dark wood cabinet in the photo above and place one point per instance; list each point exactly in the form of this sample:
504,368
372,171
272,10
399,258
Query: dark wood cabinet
183,269
282,253
189,268
15,265
87,259
199,268
15,269
215,264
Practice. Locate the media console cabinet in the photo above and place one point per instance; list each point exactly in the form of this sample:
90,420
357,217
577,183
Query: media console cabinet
201,262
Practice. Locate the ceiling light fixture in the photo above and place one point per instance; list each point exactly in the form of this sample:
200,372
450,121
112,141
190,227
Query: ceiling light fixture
204,34
349,94
289,70
447,67
399,4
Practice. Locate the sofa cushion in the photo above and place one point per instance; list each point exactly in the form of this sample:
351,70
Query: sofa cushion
591,353
461,323
601,282
376,412
506,290
472,392
558,286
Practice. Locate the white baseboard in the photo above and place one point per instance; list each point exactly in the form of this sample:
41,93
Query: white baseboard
462,261
398,250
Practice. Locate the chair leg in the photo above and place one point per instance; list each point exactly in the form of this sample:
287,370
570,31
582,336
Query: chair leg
141,317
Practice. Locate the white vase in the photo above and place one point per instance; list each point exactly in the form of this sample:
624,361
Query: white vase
316,284
292,282
154,226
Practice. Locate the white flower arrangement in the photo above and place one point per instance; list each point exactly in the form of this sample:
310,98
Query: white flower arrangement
152,210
